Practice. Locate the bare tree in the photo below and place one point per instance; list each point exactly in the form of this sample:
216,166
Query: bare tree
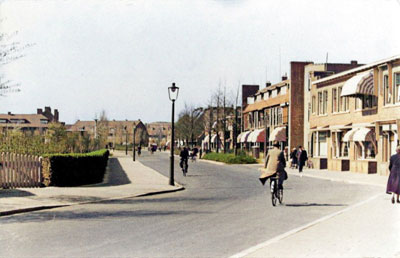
10,50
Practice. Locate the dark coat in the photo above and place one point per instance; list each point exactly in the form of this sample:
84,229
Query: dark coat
303,157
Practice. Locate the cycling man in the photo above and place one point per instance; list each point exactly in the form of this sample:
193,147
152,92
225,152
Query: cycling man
184,158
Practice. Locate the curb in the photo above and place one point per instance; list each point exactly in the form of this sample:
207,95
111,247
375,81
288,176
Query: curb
38,208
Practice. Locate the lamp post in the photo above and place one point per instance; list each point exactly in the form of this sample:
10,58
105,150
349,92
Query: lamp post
134,152
126,140
173,95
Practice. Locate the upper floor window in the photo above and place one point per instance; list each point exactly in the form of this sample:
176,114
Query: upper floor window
3,121
313,104
18,121
397,87
334,100
274,93
283,90
320,104
386,92
44,121
325,101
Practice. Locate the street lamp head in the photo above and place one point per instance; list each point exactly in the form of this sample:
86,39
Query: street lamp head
173,92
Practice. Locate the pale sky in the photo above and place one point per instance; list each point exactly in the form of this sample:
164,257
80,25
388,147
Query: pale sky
121,56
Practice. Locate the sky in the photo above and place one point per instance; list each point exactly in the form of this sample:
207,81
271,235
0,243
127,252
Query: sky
121,56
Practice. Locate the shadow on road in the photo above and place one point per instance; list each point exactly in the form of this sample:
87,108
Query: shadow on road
115,175
313,204
6,193
84,215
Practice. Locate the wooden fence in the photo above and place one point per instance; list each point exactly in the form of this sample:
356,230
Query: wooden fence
17,170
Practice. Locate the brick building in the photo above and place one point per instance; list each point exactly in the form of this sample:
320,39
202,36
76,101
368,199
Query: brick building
355,116
29,123
159,133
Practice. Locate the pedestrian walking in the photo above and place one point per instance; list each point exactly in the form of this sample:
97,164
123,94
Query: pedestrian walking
293,157
302,158
139,150
393,185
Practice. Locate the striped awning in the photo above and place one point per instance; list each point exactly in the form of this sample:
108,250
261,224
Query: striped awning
364,135
244,137
257,135
239,137
359,84
278,134
348,137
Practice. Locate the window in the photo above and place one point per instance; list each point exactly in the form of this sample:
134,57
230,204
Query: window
358,103
309,83
342,147
397,87
386,93
322,144
340,107
365,150
43,121
3,121
320,102
283,90
325,104
280,120
274,93
313,104
369,101
334,100
18,121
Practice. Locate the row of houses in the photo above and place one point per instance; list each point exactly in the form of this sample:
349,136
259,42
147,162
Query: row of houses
345,115
119,132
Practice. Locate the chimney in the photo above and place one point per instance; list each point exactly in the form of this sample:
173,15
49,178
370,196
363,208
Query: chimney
284,77
268,83
353,62
56,115
39,111
9,113
47,110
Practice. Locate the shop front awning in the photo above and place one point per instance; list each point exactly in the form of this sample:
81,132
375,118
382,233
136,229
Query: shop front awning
348,137
244,137
257,135
278,134
364,135
239,137
359,84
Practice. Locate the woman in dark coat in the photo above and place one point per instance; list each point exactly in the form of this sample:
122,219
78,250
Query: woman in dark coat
393,185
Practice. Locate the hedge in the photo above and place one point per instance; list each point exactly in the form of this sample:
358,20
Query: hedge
74,169
230,158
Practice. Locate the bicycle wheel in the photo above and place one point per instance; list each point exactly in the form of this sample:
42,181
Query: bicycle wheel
273,193
280,195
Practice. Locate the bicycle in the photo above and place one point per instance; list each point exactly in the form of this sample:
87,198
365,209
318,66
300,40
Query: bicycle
184,166
276,193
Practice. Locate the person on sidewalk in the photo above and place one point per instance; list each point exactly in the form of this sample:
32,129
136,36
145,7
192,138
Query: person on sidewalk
293,157
302,158
139,150
393,185
275,164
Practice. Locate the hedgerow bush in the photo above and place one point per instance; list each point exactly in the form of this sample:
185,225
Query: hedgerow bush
230,158
74,169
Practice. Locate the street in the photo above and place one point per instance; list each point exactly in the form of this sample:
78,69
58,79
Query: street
222,211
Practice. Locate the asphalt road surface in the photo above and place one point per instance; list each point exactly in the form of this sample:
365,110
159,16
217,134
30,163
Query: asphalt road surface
223,210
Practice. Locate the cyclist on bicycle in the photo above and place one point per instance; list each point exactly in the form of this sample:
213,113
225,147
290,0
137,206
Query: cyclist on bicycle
275,164
184,158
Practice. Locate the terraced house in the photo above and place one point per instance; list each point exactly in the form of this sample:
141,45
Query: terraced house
29,123
355,116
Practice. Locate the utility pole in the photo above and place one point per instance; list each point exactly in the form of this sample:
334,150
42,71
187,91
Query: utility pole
209,128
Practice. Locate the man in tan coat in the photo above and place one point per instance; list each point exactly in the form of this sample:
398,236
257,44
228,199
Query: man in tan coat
274,163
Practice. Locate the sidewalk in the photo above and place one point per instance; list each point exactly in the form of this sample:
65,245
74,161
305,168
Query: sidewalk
124,178
370,228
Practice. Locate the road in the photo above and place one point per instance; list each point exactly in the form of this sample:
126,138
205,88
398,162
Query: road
223,210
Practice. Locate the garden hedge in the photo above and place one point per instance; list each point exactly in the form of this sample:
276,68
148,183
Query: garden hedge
74,169
230,158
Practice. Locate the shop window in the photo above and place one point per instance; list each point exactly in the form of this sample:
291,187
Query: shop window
358,103
342,147
369,101
322,144
283,90
365,150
